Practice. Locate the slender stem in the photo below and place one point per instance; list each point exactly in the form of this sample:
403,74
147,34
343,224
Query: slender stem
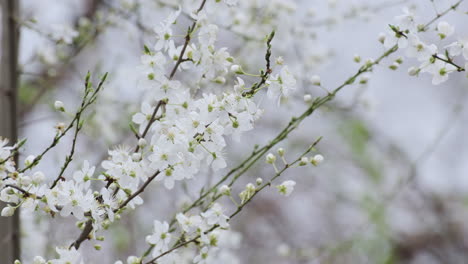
152,120
449,61
240,207
140,190
187,41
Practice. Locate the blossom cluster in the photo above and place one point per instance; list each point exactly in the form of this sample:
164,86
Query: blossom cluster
197,227
437,60
183,127
181,130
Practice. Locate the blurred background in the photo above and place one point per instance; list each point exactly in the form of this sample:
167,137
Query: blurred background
393,187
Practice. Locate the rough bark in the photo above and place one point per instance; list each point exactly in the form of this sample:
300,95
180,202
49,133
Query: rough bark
9,226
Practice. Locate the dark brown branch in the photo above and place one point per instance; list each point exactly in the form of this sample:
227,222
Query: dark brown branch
264,74
84,234
142,189
187,41
151,121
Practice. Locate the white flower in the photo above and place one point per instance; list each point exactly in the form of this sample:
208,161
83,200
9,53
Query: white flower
164,32
164,35
153,61
109,203
439,70
418,49
38,177
307,98
172,18
215,158
281,85
393,38
216,216
85,174
170,175
204,257
189,224
144,116
286,187
73,199
445,29
207,35
63,33
68,256
160,237
459,47
406,20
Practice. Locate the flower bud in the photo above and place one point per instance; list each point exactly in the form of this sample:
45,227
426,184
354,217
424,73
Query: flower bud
394,66
136,157
270,158
142,143
304,161
317,159
307,98
421,27
8,211
279,60
59,106
315,80
250,187
259,181
220,80
133,260
225,190
237,69
29,160
39,260
25,180
381,38
357,58
38,177
364,79
281,152
369,62
413,71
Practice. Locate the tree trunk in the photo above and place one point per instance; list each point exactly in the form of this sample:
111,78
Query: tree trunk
9,226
